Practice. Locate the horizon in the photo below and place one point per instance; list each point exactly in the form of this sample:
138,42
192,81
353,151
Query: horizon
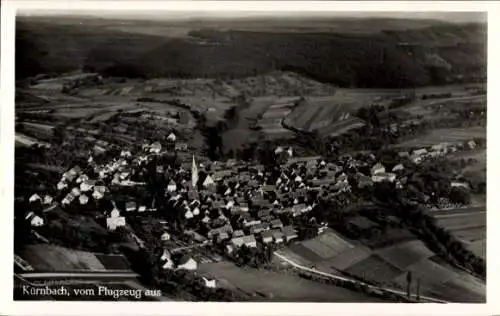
166,15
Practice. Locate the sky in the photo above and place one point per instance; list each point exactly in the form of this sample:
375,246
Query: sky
458,17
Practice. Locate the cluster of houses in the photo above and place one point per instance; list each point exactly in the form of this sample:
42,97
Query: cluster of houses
227,203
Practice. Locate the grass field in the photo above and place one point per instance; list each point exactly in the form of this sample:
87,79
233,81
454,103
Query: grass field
405,254
442,281
328,251
330,115
55,258
278,286
375,268
451,135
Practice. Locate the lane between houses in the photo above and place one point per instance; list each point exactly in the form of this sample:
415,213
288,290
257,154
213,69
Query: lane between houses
340,278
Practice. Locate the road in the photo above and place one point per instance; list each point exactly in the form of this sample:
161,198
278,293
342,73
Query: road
345,279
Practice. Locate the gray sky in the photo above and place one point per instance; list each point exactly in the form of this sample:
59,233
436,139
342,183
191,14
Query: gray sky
459,17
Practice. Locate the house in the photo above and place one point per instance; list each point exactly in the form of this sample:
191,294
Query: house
209,283
99,192
238,233
244,206
61,185
75,191
70,197
155,148
363,181
267,237
165,236
384,177
130,206
188,214
47,199
187,263
459,184
181,147
472,144
171,187
289,233
378,168
278,236
416,159
263,213
248,240
323,182
440,148
115,220
34,197
222,236
35,220
208,182
171,137
83,199
404,154
87,185
276,224
398,167
419,152
82,178
221,174
258,228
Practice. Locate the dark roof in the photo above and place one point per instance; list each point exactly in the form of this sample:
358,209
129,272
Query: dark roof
289,231
267,234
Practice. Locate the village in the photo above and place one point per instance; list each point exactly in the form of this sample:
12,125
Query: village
227,205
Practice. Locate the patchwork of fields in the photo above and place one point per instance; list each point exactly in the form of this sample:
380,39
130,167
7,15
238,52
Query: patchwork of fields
467,225
271,121
324,114
388,265
274,286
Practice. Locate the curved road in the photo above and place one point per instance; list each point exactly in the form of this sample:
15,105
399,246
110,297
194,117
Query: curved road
340,278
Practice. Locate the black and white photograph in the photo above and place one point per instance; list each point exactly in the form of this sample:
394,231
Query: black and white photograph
249,156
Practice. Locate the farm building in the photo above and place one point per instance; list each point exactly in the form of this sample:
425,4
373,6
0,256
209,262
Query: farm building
378,168
267,237
379,177
248,241
187,263
289,233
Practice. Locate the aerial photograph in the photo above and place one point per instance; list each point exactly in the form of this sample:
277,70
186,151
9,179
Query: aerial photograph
247,157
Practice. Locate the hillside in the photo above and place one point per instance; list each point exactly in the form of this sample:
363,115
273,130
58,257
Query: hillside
356,59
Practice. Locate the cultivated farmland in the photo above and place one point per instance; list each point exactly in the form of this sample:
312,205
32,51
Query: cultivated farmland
467,225
274,286
326,115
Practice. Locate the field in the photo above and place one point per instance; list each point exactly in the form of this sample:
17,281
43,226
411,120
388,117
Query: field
24,140
375,268
54,258
404,254
387,266
452,135
272,118
274,286
331,115
442,106
329,252
468,225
